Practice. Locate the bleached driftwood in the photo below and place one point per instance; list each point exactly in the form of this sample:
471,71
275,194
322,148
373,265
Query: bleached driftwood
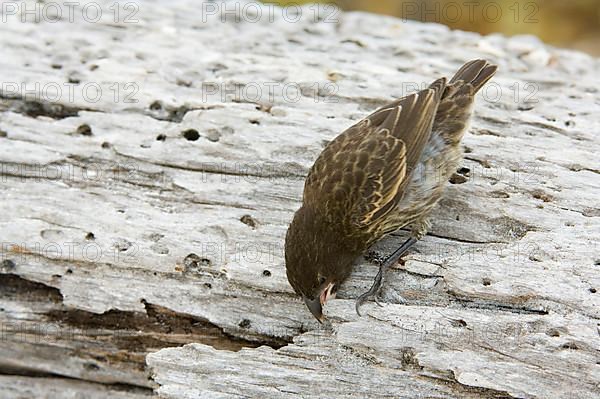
142,241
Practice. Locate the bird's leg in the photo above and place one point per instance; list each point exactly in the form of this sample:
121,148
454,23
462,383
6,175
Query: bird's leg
383,267
397,254
418,231
375,257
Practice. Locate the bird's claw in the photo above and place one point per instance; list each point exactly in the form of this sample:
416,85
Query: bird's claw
372,293
358,304
384,265
363,298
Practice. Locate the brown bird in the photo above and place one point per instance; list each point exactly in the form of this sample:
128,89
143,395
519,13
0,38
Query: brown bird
386,172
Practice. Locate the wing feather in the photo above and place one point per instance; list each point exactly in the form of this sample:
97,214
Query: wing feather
359,177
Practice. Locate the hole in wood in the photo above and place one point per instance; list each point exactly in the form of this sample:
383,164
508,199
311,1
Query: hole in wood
191,134
553,332
84,130
8,264
570,345
213,135
245,323
458,323
249,221
457,179
464,171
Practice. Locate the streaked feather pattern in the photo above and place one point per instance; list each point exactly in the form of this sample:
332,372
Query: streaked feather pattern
360,176
385,172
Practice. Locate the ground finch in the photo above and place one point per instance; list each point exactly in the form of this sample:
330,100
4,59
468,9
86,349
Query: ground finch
386,172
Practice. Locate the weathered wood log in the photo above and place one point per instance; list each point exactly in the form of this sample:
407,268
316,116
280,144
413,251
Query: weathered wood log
142,241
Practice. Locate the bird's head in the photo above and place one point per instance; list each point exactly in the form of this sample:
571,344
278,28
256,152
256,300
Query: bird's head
317,260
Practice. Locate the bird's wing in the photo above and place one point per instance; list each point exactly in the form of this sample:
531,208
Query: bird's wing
360,175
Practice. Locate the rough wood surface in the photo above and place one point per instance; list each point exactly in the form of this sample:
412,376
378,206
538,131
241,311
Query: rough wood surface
135,259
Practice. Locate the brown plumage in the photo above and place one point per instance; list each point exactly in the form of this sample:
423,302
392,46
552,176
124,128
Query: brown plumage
384,173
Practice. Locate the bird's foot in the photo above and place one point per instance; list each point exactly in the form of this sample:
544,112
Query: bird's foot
372,293
376,300
383,266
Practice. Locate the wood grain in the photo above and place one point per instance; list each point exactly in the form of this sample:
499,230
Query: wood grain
142,242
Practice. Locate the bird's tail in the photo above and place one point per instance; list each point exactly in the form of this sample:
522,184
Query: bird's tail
476,72
454,111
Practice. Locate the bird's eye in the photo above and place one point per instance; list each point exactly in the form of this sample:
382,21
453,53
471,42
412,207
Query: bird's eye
321,280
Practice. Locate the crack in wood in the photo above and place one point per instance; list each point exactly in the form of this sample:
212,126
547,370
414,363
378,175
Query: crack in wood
132,335
225,169
151,329
463,390
34,108
6,370
469,302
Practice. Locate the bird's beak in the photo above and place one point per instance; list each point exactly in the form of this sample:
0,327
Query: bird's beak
315,307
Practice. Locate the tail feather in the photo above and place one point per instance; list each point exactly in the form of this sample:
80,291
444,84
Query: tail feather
454,110
439,86
476,72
